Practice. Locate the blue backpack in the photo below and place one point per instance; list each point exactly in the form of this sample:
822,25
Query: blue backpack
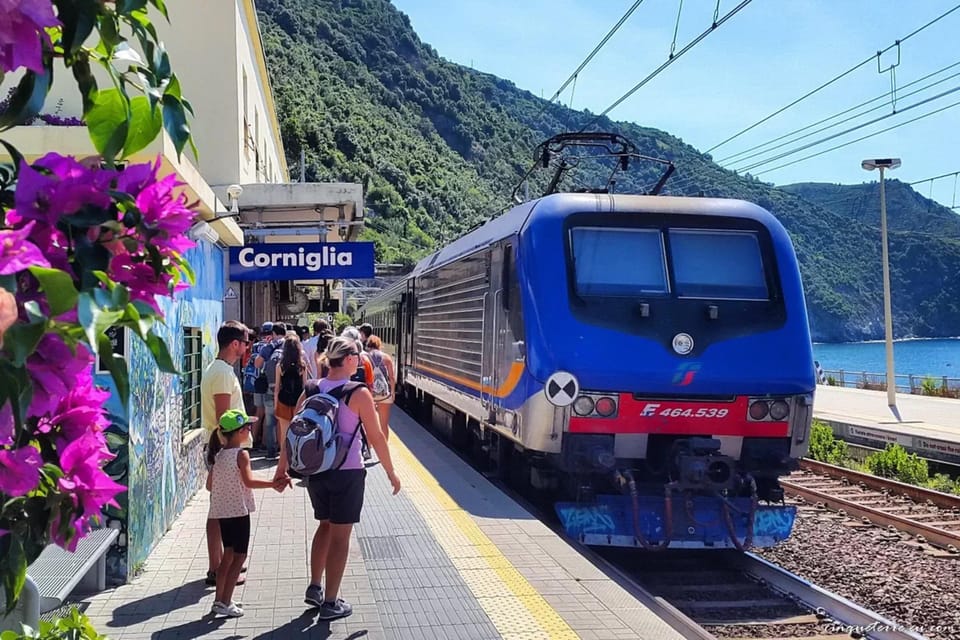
250,372
314,442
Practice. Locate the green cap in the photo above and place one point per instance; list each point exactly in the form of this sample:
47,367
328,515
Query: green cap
233,419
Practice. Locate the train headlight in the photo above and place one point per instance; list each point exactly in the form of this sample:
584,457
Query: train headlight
779,410
759,410
583,406
606,406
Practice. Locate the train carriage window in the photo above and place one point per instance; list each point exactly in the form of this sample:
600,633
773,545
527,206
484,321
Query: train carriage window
618,262
717,264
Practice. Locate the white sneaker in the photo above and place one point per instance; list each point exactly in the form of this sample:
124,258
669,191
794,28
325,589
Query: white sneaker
229,610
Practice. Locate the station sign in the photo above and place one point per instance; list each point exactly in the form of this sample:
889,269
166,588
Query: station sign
307,261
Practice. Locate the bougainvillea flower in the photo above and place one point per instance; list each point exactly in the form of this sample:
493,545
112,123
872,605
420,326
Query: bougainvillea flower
22,34
83,477
54,369
81,409
69,187
164,209
17,253
19,470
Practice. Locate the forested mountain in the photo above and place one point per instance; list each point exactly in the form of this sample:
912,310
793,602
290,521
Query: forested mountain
440,147
907,210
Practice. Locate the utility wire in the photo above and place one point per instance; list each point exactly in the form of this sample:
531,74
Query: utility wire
596,49
845,144
942,175
837,115
669,61
834,79
833,136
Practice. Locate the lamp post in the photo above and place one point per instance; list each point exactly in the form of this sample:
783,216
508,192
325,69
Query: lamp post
882,164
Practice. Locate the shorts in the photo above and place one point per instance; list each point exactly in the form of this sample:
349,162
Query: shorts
259,400
235,533
284,411
337,496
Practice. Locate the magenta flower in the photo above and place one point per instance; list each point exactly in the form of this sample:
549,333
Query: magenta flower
54,369
19,470
68,187
22,35
16,252
83,478
80,410
163,209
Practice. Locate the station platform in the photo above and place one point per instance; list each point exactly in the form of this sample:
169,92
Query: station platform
928,426
450,556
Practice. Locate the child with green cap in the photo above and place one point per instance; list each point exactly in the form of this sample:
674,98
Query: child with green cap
231,483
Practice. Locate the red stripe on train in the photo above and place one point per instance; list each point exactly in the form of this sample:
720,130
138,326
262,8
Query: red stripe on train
681,418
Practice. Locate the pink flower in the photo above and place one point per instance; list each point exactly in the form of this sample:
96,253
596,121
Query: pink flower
83,476
16,252
81,409
19,470
22,24
54,369
68,187
164,210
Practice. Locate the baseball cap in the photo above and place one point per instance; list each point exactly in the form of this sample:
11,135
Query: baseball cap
233,419
266,327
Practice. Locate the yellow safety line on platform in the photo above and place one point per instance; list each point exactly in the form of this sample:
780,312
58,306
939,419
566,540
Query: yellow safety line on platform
494,581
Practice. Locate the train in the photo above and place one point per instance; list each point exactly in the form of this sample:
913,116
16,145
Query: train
642,361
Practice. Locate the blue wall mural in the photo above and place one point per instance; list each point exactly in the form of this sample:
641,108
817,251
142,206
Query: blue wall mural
161,465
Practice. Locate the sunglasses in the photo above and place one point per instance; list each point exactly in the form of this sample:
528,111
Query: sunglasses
352,353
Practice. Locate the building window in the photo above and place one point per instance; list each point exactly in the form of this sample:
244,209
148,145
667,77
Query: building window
190,378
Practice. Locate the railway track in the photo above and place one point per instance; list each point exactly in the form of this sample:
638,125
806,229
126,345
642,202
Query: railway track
930,516
733,595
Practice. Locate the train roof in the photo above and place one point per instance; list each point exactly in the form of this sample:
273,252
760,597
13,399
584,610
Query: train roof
512,221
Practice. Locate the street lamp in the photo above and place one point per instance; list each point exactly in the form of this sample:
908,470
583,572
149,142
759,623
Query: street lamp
870,165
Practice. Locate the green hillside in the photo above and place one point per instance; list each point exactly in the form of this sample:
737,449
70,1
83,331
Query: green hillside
440,147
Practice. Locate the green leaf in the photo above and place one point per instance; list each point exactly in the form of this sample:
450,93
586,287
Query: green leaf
95,320
116,365
22,339
78,18
160,353
9,283
145,125
125,7
108,122
58,285
86,82
175,122
15,572
15,156
27,98
161,7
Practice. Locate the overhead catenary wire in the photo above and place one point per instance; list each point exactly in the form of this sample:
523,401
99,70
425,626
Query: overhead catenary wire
882,96
860,139
670,60
596,50
932,178
834,79
838,134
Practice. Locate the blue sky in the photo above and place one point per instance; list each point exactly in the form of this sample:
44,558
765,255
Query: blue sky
763,58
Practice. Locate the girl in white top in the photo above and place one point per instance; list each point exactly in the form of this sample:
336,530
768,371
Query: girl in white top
231,483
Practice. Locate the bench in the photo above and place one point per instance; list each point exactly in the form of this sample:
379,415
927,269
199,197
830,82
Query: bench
58,572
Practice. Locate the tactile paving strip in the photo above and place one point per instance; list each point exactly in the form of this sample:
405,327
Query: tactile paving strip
514,607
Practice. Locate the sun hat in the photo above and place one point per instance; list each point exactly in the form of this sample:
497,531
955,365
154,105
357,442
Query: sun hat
233,419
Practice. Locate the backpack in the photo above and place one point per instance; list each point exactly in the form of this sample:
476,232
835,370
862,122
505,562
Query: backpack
381,384
251,373
314,443
291,386
270,368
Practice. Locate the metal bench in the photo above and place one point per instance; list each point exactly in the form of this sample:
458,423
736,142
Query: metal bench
56,573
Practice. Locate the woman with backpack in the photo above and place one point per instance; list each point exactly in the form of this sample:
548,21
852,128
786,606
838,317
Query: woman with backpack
337,493
384,381
291,376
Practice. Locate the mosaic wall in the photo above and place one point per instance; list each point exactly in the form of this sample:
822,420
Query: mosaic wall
160,465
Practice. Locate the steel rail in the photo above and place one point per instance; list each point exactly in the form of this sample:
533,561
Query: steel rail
915,493
935,535
851,616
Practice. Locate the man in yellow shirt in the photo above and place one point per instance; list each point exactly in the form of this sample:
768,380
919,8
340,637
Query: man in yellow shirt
220,391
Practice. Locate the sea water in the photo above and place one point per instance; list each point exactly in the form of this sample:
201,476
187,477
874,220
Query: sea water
934,357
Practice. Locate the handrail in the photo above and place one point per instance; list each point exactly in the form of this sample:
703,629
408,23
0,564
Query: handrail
939,386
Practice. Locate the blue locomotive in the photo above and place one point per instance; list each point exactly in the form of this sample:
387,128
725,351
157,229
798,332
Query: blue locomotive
644,359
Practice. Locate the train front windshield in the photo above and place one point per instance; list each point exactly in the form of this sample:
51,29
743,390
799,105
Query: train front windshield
686,263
